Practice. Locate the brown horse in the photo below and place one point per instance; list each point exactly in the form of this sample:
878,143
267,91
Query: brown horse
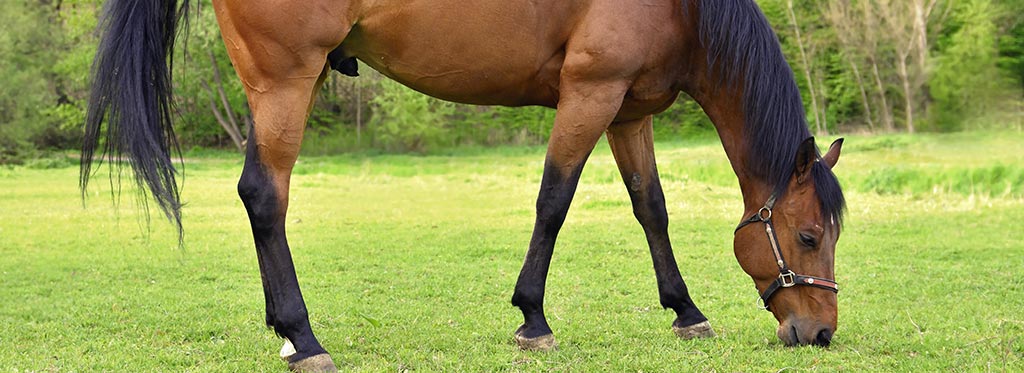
607,66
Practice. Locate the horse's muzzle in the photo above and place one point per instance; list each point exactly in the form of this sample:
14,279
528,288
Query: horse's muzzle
795,334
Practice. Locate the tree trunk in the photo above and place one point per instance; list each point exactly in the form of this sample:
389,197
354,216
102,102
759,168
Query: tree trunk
921,13
863,96
232,131
886,112
226,119
921,41
823,131
908,98
806,65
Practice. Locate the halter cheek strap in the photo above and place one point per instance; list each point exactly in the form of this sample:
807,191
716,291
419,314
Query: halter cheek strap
787,278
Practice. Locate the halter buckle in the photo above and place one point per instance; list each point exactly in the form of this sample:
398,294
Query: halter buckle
787,279
764,214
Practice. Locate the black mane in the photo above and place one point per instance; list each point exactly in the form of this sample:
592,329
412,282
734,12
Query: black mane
743,49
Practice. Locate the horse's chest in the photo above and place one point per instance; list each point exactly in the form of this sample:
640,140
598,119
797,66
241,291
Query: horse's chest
648,95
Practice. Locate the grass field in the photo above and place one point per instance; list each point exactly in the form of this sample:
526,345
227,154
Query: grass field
408,263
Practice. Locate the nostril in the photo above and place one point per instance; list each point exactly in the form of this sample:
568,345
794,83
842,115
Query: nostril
824,337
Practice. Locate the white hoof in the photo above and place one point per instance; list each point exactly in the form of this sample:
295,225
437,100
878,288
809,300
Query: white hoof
287,350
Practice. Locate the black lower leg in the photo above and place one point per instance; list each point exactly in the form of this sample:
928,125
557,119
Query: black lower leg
269,300
286,310
649,209
556,192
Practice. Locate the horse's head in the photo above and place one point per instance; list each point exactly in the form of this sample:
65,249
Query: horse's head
788,248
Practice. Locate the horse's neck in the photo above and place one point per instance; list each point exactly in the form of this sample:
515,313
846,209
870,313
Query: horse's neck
725,109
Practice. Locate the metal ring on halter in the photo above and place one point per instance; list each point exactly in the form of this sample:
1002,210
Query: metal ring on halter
787,279
760,214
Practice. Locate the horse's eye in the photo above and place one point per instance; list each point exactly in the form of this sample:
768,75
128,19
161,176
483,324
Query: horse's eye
808,240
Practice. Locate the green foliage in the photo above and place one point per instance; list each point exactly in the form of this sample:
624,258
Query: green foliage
966,81
406,120
1011,46
684,119
993,180
45,53
523,125
78,20
982,164
196,91
842,93
25,90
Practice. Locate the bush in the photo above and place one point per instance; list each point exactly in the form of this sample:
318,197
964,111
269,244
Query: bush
405,120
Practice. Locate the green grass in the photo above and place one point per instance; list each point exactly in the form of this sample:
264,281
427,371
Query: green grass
408,263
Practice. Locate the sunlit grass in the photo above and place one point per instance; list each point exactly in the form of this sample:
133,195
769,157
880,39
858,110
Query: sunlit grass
408,263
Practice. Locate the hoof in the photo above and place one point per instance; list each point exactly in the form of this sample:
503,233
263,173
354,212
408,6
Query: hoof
321,363
543,343
698,330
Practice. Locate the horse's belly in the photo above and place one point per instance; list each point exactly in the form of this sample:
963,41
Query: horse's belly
513,83
496,52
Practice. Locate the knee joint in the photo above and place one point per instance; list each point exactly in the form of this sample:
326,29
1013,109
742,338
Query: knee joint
259,197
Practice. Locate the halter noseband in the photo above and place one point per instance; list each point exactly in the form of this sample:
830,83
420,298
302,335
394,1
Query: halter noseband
787,278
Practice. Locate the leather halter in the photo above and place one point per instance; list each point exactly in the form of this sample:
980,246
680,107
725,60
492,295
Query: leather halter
787,278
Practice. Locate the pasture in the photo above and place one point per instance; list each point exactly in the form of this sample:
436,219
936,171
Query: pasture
408,263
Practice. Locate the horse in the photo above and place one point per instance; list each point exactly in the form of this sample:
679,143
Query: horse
605,66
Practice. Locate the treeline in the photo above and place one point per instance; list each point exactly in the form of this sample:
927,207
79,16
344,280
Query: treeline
863,65
905,65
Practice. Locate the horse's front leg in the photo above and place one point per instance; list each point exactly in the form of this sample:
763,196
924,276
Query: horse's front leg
632,144
585,110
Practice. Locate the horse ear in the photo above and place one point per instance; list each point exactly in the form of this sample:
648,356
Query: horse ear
832,156
806,155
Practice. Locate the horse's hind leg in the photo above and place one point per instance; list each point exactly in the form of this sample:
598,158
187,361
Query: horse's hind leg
632,144
263,188
282,63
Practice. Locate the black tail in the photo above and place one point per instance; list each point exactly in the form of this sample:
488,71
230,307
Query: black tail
131,94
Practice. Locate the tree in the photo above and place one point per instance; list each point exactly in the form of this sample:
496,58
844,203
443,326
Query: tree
1011,49
30,87
406,120
807,42
906,30
211,102
343,109
859,48
807,67
967,82
75,25
1011,54
871,47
